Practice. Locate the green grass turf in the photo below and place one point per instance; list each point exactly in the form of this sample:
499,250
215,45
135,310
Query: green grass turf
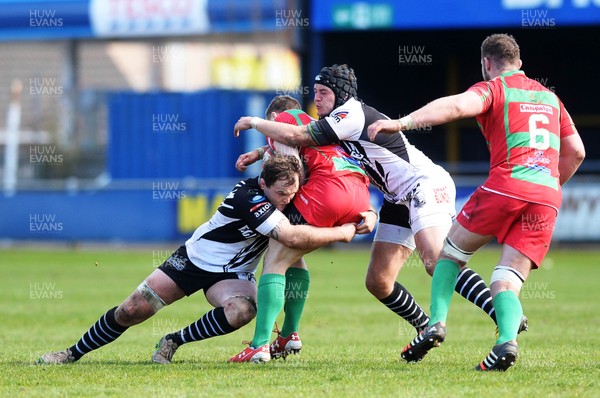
351,341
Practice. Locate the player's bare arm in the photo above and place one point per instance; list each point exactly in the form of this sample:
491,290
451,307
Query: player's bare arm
439,111
282,132
572,153
249,158
306,237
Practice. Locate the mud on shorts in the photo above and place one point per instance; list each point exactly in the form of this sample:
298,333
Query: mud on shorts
190,278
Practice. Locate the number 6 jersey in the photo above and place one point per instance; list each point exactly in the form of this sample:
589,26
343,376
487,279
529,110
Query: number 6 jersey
523,123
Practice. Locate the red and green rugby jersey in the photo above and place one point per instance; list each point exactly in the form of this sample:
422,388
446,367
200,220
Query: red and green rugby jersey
328,161
523,123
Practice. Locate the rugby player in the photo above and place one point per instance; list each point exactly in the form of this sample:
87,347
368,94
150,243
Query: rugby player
534,149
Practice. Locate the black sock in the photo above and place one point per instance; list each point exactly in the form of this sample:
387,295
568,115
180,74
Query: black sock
213,323
104,331
404,304
472,287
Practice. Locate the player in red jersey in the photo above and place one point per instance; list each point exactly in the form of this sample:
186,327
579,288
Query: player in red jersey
336,191
534,149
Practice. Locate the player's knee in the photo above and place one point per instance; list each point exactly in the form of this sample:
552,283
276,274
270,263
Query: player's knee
378,286
451,251
429,258
132,311
240,310
506,278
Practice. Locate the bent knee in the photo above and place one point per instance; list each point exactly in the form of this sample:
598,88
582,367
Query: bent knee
239,310
378,286
133,311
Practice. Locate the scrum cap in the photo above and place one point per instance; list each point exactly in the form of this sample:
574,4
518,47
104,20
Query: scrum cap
341,80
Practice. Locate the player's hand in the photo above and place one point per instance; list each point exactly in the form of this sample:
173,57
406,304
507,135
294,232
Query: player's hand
383,126
246,159
367,225
242,124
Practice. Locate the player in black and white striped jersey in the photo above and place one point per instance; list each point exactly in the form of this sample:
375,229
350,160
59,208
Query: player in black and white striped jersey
220,258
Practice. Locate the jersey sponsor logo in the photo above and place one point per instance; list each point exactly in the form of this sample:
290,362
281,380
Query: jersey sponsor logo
257,199
339,115
253,208
531,108
441,195
261,209
247,232
538,162
303,199
177,262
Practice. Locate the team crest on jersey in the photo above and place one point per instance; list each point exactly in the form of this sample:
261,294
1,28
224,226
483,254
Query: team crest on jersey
339,115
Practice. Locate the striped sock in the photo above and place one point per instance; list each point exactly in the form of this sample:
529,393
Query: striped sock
402,303
470,285
213,323
105,330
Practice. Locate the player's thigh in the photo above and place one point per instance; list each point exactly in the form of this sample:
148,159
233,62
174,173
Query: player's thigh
218,293
466,240
280,257
164,286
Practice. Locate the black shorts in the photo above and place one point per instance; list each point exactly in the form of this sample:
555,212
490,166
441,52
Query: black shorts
190,278
293,215
394,214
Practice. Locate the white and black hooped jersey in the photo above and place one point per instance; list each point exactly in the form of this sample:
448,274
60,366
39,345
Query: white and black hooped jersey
234,238
391,162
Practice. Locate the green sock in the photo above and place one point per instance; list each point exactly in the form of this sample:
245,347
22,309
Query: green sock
297,281
270,302
508,315
442,287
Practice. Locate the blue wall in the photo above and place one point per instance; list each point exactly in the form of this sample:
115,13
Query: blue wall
178,135
167,211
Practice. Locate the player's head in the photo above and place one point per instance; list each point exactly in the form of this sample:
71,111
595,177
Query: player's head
280,178
334,85
297,117
499,54
279,104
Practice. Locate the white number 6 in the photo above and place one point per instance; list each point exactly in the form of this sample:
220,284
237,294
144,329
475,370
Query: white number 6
535,132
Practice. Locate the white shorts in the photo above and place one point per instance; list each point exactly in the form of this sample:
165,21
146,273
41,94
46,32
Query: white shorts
430,203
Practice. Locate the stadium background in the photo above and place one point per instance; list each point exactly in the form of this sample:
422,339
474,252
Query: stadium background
116,116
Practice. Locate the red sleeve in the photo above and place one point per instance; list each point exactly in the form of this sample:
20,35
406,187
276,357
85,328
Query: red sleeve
567,127
484,90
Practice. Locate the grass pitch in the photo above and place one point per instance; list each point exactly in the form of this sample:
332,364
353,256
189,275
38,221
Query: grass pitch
49,298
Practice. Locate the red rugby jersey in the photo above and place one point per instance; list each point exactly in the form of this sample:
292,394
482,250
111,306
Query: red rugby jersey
327,161
523,123
337,189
